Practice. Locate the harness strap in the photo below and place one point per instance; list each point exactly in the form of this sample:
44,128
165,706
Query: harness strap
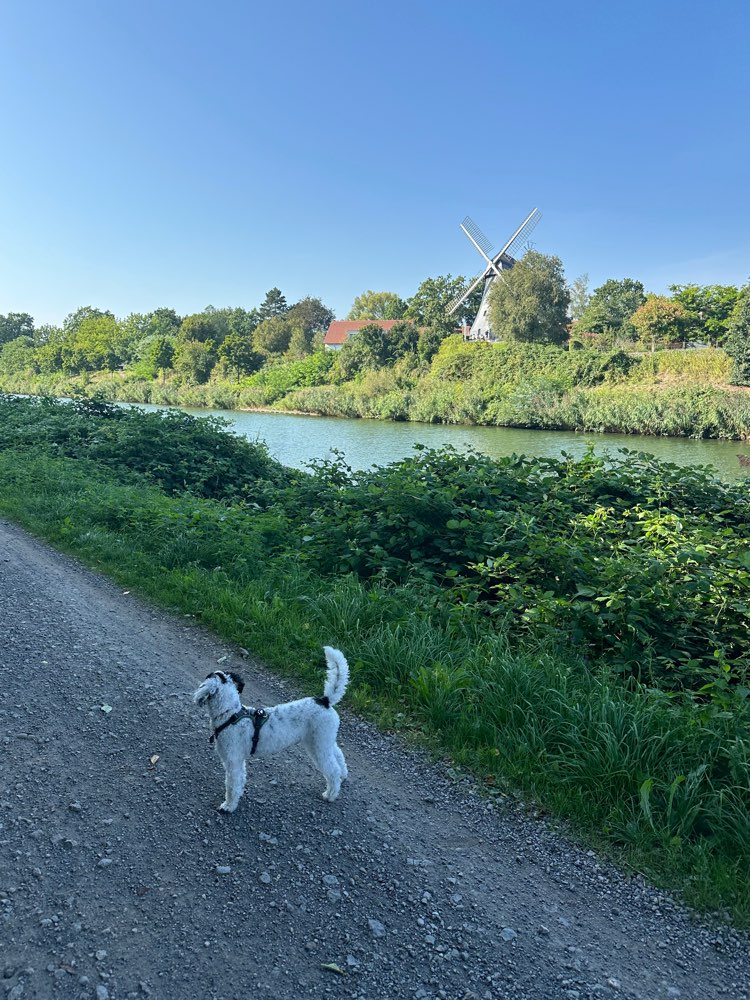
259,717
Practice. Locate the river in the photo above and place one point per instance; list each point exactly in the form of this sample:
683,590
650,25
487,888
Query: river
296,440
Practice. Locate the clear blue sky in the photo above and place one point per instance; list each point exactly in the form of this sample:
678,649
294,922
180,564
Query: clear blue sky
156,153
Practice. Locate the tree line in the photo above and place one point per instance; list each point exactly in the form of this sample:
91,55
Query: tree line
531,303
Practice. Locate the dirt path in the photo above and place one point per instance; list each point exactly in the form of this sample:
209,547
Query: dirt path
117,878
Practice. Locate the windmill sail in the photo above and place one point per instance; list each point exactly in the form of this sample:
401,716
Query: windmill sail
504,259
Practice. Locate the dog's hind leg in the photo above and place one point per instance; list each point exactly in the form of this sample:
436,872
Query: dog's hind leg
235,774
333,780
341,762
327,763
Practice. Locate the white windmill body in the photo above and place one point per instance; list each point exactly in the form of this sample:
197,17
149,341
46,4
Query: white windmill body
481,328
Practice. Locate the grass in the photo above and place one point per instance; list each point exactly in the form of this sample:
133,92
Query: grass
659,782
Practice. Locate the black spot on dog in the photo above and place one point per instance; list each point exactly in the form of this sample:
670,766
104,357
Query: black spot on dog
238,681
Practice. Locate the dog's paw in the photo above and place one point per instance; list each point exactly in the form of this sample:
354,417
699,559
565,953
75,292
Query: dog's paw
225,809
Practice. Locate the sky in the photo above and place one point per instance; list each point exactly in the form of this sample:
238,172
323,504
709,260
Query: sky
155,153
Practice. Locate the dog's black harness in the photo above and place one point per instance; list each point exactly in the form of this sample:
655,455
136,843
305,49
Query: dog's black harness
259,717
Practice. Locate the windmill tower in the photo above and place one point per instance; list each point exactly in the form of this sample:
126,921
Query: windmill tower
494,264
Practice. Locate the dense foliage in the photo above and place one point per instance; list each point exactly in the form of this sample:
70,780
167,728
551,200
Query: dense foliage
176,451
637,563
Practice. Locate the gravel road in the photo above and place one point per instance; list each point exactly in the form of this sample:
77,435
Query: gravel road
119,880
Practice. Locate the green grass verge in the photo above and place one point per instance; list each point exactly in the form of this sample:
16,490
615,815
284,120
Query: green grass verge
660,783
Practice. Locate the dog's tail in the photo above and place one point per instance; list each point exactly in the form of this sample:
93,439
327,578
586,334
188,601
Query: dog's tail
337,677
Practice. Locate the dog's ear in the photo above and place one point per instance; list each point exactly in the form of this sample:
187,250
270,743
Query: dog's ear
238,681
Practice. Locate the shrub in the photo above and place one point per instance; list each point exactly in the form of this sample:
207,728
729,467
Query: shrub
177,451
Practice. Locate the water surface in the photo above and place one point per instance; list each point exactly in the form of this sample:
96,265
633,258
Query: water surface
297,440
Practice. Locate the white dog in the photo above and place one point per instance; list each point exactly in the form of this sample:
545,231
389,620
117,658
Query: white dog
240,732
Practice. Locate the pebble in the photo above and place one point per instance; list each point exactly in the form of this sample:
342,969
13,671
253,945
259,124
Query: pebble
507,934
265,878
377,928
102,993
223,869
104,863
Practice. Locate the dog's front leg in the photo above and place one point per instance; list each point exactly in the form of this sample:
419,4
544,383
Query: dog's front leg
235,774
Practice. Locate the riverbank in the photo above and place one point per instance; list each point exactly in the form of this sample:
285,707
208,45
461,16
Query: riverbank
668,393
571,631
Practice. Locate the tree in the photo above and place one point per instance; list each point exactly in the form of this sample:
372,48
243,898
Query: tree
403,339
95,344
238,353
659,321
17,355
374,340
242,321
73,320
708,308
353,357
377,305
46,332
611,306
156,356
274,304
272,335
306,318
530,302
204,327
48,355
429,344
134,329
381,348
194,361
163,322
737,343
16,325
428,307
579,297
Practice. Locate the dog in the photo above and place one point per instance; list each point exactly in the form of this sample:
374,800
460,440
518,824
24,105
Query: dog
239,733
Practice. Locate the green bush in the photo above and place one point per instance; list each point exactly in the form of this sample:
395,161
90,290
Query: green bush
637,563
175,450
277,379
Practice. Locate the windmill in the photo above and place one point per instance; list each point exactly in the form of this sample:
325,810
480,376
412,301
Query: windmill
494,264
